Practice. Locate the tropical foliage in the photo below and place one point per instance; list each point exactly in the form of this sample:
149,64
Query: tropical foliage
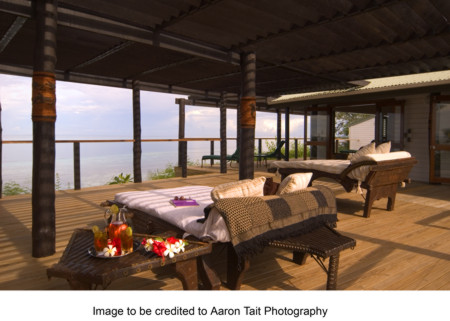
121,179
12,188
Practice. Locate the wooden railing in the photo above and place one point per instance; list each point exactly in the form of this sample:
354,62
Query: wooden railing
182,161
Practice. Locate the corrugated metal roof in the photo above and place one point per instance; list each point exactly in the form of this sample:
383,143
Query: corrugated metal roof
374,85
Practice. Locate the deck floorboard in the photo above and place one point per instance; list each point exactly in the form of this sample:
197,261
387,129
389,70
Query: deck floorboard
406,249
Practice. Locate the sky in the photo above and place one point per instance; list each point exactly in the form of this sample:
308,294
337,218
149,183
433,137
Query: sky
99,112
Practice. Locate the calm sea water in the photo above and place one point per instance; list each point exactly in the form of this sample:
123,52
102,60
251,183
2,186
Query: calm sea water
100,162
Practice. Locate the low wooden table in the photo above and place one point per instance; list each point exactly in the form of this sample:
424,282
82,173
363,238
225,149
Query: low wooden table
84,271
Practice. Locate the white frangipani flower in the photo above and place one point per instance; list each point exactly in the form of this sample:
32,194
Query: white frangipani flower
109,251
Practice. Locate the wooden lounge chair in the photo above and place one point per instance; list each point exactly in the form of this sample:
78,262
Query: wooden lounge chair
150,221
229,158
381,180
276,153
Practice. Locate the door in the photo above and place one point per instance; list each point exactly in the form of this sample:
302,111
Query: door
389,124
440,139
317,133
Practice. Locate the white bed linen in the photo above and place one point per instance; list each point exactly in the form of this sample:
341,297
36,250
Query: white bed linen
337,166
156,203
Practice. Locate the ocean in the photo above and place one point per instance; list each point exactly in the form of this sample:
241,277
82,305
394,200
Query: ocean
100,162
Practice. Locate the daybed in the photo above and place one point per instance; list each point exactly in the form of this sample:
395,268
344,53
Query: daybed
379,173
236,215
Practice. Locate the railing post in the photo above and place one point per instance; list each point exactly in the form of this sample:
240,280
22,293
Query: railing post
1,157
296,148
286,134
212,152
182,145
336,146
223,135
137,148
259,149
76,166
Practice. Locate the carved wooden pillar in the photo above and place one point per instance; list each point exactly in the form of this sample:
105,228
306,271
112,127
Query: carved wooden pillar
248,115
223,135
137,148
44,118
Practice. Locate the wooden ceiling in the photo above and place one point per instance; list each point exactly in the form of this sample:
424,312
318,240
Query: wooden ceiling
193,46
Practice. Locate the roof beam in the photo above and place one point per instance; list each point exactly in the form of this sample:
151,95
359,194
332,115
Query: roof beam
310,24
11,32
107,53
75,18
168,66
192,10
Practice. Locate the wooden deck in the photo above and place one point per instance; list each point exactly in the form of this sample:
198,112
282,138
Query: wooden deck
407,249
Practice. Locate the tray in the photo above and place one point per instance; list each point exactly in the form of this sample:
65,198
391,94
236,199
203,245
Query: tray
92,252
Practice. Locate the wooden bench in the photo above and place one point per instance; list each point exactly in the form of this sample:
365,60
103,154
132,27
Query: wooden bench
322,243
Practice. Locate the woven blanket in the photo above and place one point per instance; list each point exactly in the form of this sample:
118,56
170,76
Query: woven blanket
254,221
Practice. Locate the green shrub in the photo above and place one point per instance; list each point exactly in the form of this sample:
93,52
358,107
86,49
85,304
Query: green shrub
168,172
121,179
272,146
12,188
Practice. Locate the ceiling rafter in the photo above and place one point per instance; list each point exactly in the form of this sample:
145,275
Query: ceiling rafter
74,17
164,67
183,14
310,24
103,55
11,32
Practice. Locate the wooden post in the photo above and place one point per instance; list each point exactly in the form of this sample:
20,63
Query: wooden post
248,115
223,135
44,118
278,130
296,148
286,134
182,146
211,148
137,148
1,153
238,123
76,166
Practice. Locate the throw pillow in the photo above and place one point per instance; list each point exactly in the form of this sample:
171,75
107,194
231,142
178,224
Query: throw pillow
294,182
383,148
243,188
270,187
367,149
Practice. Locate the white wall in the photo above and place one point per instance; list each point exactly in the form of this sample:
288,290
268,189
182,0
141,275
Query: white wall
417,110
361,134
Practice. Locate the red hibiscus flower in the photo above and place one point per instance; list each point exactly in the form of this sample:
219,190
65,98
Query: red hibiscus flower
172,240
159,248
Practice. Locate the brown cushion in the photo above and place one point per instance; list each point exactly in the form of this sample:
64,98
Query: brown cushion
270,187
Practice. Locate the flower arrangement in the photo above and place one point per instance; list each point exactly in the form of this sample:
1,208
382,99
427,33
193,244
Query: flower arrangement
163,248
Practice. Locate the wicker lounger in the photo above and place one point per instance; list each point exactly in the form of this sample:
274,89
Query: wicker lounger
382,181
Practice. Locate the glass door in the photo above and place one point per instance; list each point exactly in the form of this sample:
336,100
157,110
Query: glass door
317,133
440,140
390,124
